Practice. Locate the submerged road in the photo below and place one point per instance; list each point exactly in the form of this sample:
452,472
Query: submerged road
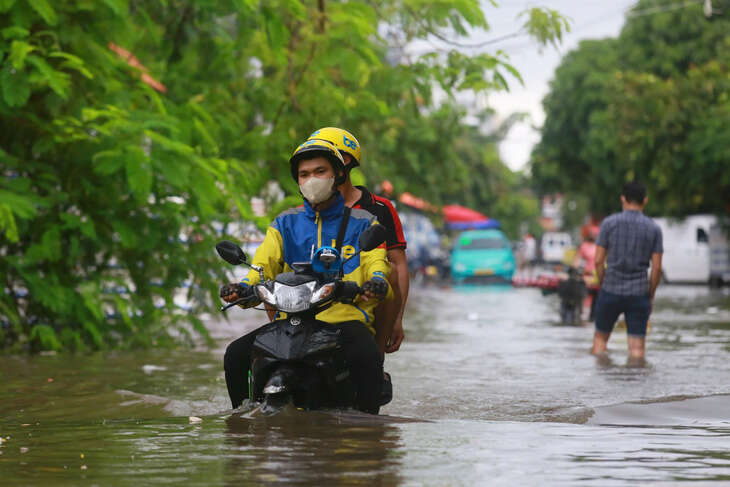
488,390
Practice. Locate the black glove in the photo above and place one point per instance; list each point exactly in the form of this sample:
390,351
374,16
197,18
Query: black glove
377,286
241,290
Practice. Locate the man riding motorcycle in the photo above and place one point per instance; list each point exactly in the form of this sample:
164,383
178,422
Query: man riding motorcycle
318,168
389,323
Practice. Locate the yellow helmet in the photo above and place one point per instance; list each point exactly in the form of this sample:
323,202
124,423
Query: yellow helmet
317,147
343,140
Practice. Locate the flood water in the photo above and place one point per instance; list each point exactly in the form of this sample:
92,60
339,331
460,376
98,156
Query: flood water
488,390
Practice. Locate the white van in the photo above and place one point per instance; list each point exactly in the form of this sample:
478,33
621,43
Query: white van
688,255
719,255
554,245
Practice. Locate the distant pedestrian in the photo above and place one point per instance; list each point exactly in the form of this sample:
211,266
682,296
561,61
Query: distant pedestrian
627,243
530,249
586,257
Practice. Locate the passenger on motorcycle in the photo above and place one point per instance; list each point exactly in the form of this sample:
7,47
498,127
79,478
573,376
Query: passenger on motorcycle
585,258
389,315
318,168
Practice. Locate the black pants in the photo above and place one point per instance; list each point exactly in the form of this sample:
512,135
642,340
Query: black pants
358,346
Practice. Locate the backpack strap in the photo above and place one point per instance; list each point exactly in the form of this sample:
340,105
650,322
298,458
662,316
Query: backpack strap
343,228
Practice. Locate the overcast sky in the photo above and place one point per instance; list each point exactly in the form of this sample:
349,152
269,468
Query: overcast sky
590,19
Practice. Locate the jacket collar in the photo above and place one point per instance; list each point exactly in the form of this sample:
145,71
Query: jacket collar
332,211
367,197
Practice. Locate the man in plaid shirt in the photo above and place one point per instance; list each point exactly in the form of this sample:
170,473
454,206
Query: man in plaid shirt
627,243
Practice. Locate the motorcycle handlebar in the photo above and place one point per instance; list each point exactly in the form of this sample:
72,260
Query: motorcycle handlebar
349,290
237,302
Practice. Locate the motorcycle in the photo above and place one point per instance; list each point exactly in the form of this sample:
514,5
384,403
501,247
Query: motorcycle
571,289
298,359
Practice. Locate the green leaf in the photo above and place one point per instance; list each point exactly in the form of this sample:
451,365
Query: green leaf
14,32
45,336
5,5
11,314
45,10
90,293
18,52
51,242
7,223
173,170
82,223
139,176
108,162
297,8
246,7
169,144
88,229
276,31
71,340
205,135
15,87
119,7
124,312
127,234
73,62
58,81
94,333
23,206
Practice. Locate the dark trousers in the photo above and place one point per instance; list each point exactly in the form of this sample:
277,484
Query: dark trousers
236,363
636,310
358,346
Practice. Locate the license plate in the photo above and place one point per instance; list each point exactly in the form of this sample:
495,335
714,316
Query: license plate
484,272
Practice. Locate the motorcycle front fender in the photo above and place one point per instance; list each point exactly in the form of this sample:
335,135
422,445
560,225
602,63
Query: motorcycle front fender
282,340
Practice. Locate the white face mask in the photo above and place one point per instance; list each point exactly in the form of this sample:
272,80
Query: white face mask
317,190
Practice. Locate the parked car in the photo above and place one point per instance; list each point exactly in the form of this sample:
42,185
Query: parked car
424,251
554,245
482,255
695,250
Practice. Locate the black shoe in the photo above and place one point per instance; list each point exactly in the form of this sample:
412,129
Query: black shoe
386,394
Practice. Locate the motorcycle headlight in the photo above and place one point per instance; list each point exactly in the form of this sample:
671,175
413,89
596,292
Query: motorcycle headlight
323,293
292,299
265,295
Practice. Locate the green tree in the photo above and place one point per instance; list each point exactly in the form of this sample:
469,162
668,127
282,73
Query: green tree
108,187
563,159
647,105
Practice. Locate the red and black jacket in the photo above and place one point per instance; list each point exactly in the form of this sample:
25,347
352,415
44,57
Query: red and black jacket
383,210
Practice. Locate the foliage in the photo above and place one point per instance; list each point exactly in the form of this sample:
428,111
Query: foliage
105,184
132,131
648,105
577,92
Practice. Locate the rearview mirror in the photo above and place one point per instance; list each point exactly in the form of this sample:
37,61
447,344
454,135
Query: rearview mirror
372,237
230,252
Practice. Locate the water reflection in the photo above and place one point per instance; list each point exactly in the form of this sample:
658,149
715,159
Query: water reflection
495,288
311,448
605,362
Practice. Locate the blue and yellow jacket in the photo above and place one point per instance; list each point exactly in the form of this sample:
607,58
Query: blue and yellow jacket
296,233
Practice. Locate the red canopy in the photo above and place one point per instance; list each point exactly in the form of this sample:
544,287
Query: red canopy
418,203
458,213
